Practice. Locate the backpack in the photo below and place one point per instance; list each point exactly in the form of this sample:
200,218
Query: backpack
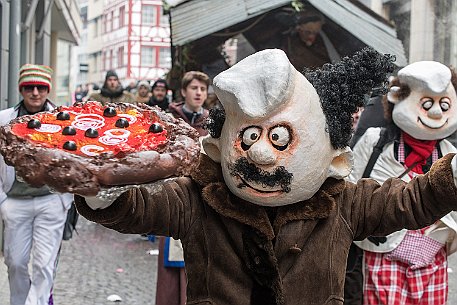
384,138
70,223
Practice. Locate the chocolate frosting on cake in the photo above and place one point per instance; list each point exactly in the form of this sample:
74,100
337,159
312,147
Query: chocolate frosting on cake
67,172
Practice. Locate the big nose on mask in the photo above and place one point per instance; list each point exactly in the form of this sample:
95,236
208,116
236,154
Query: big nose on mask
262,153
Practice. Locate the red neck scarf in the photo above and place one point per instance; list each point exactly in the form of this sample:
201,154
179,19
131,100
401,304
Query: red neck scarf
420,151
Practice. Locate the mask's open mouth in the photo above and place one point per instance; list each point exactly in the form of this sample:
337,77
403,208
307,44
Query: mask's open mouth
432,127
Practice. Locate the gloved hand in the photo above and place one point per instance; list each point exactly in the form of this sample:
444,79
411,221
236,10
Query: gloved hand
106,196
377,240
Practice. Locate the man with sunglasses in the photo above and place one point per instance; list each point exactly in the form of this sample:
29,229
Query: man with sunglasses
34,218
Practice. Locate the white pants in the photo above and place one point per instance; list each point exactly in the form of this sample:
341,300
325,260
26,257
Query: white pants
33,226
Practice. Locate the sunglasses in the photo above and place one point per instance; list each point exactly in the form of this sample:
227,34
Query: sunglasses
30,88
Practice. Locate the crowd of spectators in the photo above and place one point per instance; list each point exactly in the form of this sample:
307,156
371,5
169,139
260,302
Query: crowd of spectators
151,92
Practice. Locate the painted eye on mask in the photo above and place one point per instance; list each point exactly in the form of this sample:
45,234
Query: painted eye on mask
427,103
445,104
250,136
280,137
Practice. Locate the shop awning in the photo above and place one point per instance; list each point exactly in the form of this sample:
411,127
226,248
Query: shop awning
66,20
369,30
195,19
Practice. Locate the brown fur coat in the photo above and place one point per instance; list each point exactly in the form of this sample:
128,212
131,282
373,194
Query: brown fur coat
235,255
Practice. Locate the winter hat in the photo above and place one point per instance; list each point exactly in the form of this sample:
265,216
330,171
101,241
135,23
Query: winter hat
160,83
38,75
145,84
110,73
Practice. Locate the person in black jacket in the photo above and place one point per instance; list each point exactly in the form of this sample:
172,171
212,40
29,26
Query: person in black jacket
159,95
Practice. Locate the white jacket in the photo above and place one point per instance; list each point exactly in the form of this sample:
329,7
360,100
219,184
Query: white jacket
387,166
8,174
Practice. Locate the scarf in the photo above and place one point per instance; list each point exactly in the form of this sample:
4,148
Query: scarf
47,106
112,94
420,151
163,104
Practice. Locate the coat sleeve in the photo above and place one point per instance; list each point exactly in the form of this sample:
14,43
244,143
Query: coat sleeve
7,173
168,209
379,210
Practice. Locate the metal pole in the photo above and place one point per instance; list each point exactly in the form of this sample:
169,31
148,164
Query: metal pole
14,52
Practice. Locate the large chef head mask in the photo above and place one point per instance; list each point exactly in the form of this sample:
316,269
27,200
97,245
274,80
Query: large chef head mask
283,134
424,99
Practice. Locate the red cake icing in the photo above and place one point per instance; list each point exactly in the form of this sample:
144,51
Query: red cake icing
112,140
116,144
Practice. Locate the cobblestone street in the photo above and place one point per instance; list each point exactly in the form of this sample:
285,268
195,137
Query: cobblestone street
90,265
97,263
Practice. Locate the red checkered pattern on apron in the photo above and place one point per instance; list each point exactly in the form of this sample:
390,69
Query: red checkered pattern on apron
391,282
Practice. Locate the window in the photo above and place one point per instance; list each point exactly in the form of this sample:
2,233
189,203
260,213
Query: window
96,62
112,20
103,23
107,23
111,66
95,32
148,13
163,19
165,58
147,56
121,16
84,16
106,67
120,57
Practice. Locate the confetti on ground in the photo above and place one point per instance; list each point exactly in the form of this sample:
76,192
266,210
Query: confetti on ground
114,298
153,252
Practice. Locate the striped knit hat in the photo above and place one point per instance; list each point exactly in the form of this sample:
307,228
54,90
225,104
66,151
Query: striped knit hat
35,75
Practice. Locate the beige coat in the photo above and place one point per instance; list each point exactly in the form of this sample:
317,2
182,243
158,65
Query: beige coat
125,97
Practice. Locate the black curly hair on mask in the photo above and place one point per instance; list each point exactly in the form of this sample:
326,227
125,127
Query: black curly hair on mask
215,121
342,86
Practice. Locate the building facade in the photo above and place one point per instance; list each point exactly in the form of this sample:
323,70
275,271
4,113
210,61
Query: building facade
40,32
130,37
82,58
427,28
